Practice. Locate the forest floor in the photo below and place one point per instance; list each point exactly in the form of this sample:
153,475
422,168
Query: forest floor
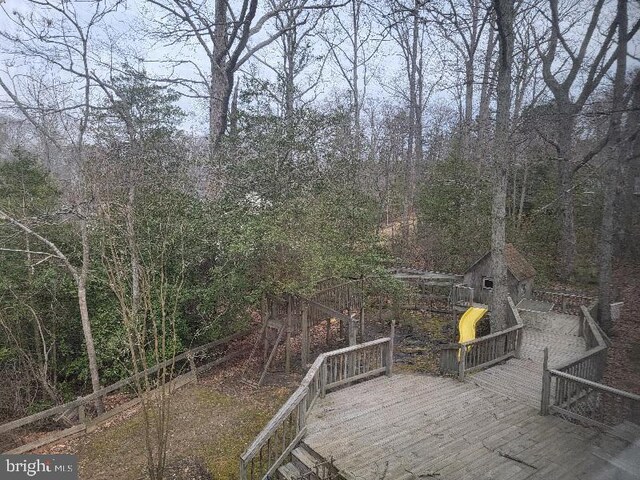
212,422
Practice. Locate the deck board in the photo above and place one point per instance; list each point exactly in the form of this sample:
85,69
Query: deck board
414,426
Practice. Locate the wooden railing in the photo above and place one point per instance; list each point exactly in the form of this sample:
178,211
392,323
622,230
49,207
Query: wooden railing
564,302
82,416
344,296
462,295
337,295
572,391
287,428
592,403
461,358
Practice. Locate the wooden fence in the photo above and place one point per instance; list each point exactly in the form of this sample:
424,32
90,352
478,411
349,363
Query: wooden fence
78,408
286,429
592,403
461,358
572,391
564,302
461,295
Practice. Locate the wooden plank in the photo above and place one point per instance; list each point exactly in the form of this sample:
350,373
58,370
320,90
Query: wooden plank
48,439
491,362
102,392
371,373
596,386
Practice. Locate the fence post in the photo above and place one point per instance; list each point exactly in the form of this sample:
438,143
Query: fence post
546,384
82,414
581,324
305,336
390,349
287,348
462,362
323,379
192,366
519,342
302,413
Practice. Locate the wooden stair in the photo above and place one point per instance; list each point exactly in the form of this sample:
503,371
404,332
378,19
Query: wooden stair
306,464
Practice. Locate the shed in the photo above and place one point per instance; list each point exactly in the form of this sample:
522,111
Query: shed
520,275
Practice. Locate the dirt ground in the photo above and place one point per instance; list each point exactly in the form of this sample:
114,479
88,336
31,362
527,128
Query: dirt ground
212,423
215,420
418,334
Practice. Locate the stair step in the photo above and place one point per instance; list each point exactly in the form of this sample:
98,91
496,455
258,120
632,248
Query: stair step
304,461
289,472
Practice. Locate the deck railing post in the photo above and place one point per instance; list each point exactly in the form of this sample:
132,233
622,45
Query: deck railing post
462,362
546,384
519,343
304,351
389,358
323,379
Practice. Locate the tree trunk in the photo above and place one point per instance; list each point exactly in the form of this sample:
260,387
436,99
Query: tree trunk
468,106
218,92
81,281
616,151
485,96
565,130
504,15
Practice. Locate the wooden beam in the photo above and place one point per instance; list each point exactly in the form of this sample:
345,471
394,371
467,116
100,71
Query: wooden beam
546,384
304,351
288,339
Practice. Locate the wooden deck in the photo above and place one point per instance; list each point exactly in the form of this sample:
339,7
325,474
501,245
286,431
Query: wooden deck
417,426
521,379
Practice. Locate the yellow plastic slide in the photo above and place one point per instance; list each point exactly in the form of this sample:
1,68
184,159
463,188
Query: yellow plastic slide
468,322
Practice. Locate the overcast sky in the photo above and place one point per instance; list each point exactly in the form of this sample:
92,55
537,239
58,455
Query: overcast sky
384,71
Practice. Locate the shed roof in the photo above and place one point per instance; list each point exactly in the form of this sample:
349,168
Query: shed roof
516,263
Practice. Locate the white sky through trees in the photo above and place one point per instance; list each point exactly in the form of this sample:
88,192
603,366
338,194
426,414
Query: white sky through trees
126,36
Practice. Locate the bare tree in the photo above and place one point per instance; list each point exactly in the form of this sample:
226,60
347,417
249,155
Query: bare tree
406,27
462,24
62,37
572,75
229,34
617,152
505,14
353,44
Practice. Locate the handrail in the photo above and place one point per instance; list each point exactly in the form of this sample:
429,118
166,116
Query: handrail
328,310
590,331
572,363
577,394
80,401
490,336
482,352
596,385
591,403
568,300
288,426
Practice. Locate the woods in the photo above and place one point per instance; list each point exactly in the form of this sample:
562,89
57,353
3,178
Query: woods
166,164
